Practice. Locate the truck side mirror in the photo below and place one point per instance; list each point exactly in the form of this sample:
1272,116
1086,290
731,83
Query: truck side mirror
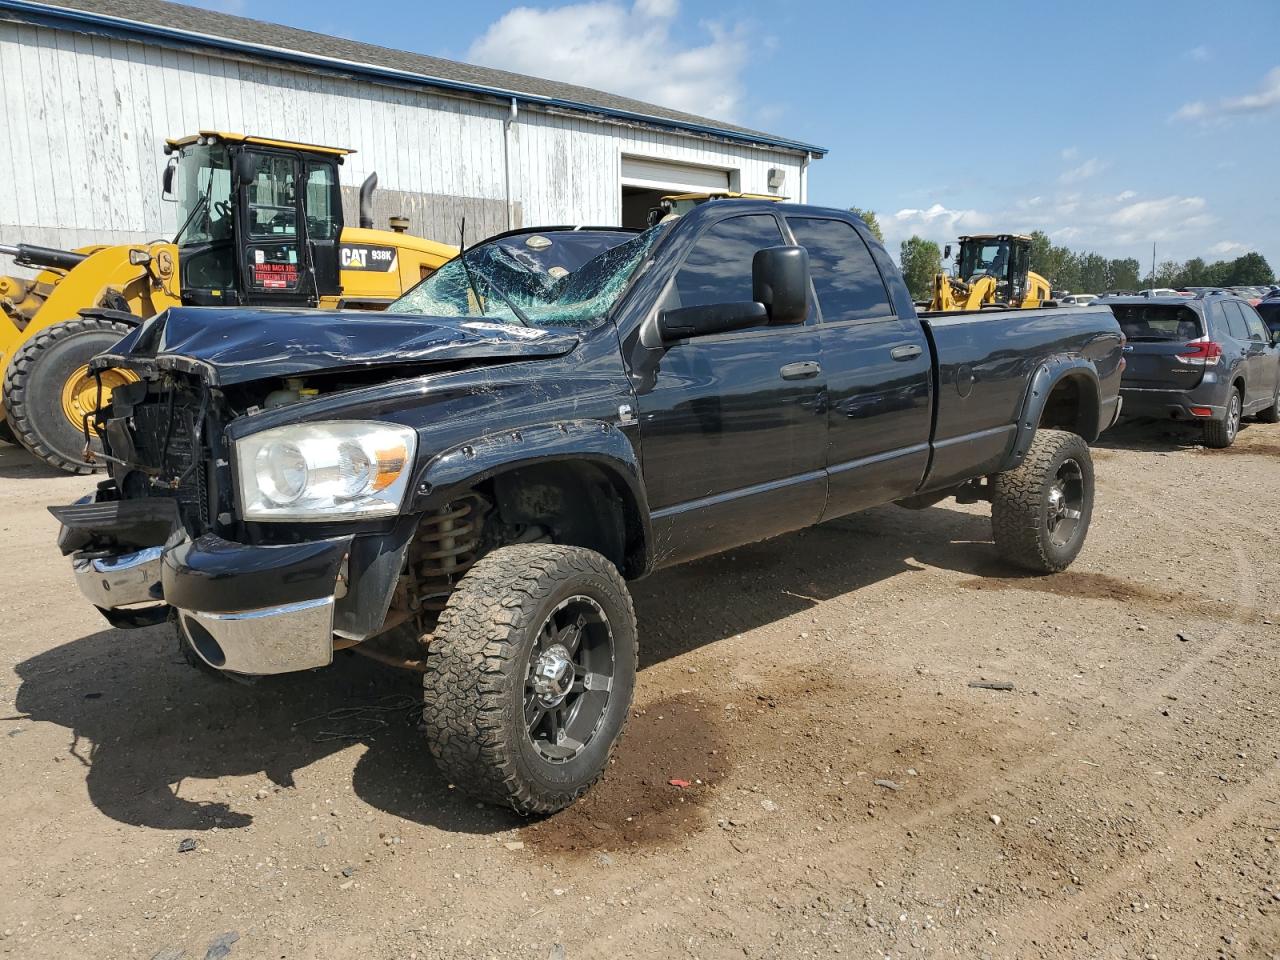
946,252
166,179
780,281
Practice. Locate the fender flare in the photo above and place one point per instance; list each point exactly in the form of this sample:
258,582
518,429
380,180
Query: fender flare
459,468
1048,375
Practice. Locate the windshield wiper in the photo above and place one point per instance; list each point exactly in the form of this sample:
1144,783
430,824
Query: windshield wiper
199,205
520,314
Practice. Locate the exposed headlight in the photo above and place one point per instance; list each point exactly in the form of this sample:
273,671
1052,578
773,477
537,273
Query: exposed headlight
325,471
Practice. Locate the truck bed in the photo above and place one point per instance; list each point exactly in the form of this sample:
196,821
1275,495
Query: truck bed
983,363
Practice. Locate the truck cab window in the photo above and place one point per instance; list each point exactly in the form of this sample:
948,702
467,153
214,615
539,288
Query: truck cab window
321,224
272,196
845,278
718,268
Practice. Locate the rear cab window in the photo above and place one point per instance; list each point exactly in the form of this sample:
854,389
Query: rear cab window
845,278
1152,323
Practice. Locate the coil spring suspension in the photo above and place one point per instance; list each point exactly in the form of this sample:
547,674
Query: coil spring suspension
445,547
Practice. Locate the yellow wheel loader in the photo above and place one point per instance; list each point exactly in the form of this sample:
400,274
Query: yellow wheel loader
992,270
261,224
678,204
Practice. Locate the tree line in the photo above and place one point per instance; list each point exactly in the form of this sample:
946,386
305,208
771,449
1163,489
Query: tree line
1084,272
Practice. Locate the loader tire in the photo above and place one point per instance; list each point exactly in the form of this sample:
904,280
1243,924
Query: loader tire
40,392
1040,510
529,675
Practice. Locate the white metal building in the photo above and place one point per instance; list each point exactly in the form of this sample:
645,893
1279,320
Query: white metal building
91,89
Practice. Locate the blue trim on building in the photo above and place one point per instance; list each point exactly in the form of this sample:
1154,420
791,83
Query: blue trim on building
66,18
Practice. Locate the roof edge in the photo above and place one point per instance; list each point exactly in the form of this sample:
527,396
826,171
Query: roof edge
50,15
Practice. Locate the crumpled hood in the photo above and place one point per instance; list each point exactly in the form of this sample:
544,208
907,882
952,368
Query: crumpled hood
229,345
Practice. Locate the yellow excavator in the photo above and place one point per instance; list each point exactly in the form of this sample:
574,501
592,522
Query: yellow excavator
992,270
261,225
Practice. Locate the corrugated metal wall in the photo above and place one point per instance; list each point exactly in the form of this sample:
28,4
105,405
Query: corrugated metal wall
85,119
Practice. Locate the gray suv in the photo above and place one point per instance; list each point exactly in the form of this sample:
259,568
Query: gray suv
1207,359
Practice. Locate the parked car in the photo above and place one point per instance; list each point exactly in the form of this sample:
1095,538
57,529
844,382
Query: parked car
485,465
1269,310
1159,292
1077,299
1209,360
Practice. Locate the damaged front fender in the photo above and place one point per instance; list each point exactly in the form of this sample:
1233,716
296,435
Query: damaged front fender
596,442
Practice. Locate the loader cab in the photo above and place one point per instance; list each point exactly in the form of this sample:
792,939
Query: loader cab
1005,257
259,220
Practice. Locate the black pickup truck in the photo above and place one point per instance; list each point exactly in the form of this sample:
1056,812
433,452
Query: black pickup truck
463,485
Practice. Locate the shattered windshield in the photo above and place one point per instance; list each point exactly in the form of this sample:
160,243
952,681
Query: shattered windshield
487,281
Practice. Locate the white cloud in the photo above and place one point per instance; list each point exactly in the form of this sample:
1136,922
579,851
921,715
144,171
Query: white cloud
1266,97
934,222
638,51
1070,153
1112,224
1200,54
1228,248
1090,168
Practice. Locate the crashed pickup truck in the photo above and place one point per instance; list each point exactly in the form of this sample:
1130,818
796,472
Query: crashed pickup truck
480,470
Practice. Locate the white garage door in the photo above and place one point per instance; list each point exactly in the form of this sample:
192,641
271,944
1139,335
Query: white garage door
663,175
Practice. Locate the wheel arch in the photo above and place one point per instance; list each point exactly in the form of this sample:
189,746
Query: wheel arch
553,472
1064,394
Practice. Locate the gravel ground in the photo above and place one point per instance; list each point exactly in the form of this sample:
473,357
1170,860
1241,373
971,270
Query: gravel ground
851,793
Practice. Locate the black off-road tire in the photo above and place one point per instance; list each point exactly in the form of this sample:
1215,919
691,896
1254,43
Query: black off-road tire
477,665
1021,504
1220,434
33,385
1271,414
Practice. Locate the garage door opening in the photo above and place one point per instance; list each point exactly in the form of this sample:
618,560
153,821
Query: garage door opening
646,181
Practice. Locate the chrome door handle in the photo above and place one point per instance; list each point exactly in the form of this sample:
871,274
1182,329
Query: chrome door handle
800,370
907,351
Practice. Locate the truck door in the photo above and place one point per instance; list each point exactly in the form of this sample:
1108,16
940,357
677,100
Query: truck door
732,425
322,204
274,264
877,368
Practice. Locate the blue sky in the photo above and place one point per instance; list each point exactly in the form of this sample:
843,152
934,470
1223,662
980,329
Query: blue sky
1109,125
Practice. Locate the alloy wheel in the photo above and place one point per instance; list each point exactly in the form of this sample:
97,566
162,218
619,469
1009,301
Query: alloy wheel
568,679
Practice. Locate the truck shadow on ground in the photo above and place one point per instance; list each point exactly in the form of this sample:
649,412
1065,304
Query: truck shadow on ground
155,736
1156,436
17,464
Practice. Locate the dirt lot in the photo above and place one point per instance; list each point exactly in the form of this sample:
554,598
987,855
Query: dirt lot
850,794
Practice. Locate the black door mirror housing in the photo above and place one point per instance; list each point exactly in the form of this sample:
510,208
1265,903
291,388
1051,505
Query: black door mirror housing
246,168
166,179
704,320
780,281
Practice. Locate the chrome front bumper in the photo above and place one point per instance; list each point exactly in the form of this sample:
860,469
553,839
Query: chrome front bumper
278,638
120,581
294,636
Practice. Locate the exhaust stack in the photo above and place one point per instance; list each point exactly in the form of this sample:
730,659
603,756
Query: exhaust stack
366,200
